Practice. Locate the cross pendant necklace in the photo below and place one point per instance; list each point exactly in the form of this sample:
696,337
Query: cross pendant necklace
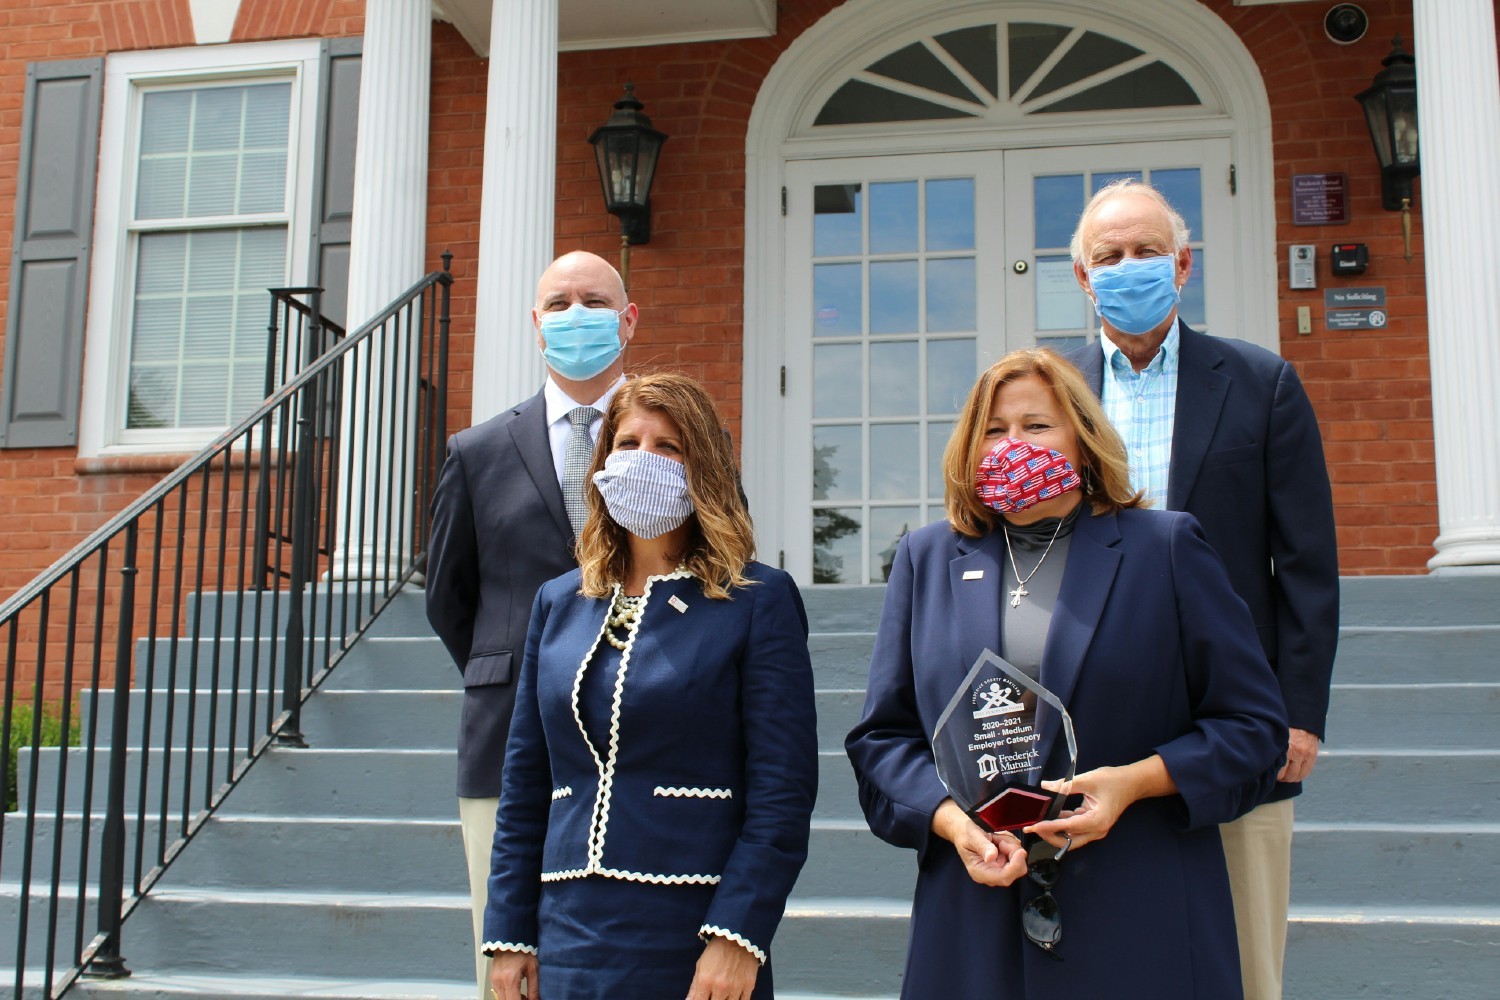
1021,591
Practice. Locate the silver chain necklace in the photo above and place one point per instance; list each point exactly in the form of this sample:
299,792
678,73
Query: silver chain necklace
1021,591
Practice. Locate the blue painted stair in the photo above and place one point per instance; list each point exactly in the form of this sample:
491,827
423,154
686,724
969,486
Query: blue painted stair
337,871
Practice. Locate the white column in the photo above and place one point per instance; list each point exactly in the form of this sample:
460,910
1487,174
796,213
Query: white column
1458,113
516,214
387,253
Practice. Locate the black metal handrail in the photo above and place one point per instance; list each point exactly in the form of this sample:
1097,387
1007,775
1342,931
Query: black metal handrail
227,593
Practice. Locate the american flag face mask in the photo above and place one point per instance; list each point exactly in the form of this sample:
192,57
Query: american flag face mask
1017,474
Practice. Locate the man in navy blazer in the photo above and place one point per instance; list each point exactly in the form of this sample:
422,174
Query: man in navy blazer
1234,442
500,530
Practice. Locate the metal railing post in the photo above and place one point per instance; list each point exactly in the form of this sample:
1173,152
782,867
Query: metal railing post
304,549
108,963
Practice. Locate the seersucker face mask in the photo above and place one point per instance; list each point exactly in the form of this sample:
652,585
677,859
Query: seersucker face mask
645,493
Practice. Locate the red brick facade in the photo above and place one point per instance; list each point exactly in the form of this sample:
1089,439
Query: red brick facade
1371,388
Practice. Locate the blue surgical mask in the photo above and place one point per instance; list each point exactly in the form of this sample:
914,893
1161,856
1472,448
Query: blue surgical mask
580,342
1136,295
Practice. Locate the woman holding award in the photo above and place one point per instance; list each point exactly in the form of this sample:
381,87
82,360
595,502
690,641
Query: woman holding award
662,763
1122,617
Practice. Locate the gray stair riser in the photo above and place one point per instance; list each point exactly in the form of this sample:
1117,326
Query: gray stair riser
393,940
261,664
838,795
1391,961
1457,599
840,608
838,711
417,662
1401,717
1374,869
840,954
49,759
1405,788
1455,654
406,614
250,711
841,660
39,922
851,862
334,857
365,783
403,720
43,841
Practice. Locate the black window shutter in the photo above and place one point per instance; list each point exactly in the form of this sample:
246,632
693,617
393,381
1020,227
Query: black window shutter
49,269
333,191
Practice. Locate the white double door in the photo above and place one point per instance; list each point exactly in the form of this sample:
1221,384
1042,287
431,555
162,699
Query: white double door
905,277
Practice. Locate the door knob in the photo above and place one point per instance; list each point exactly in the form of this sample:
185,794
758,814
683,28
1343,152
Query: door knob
1020,267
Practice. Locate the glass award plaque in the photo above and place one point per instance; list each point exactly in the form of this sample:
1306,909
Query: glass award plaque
988,746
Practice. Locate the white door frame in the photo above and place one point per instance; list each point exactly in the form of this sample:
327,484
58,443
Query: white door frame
1194,40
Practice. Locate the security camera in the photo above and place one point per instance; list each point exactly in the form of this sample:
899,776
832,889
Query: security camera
1346,23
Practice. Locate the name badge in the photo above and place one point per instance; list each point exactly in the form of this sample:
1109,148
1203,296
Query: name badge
973,574
677,603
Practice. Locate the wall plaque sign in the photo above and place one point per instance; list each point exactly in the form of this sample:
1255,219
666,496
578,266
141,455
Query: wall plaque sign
1320,199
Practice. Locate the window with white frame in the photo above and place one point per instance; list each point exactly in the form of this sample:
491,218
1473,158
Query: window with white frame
203,210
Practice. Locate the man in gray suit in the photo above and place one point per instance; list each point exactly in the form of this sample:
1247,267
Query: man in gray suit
505,517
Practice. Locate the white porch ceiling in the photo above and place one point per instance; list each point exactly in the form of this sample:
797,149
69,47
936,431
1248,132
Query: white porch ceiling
617,24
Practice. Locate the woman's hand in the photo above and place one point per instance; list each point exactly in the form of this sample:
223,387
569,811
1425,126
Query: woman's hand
1107,792
726,971
507,970
990,858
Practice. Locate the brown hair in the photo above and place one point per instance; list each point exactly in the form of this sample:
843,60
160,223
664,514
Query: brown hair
720,539
1105,472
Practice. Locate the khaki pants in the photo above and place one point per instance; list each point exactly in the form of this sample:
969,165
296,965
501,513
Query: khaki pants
1258,852
477,819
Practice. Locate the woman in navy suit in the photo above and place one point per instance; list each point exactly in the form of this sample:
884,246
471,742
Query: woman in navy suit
1127,616
662,764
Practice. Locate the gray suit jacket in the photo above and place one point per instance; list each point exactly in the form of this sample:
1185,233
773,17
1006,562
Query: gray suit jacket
499,531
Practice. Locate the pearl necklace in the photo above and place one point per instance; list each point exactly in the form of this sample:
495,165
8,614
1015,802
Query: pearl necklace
624,613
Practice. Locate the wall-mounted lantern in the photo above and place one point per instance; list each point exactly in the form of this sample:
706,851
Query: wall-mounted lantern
1390,106
626,149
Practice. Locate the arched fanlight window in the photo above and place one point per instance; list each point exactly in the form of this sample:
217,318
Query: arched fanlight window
1006,70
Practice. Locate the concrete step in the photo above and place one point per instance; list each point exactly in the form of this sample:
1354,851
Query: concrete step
1352,786
394,663
174,765
841,659
148,985
1414,716
334,609
1403,655
1444,599
1379,866
237,717
351,783
843,607
1393,954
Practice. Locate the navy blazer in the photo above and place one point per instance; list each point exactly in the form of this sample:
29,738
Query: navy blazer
499,531
1247,462
1152,653
709,770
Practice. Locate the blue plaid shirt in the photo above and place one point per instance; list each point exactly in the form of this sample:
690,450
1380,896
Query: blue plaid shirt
1143,407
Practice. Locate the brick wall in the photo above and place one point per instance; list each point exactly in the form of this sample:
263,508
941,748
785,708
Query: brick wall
48,500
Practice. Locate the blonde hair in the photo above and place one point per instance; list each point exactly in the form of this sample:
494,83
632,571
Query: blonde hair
1106,468
720,538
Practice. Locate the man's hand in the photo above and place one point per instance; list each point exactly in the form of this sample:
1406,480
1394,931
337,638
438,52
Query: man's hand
1301,755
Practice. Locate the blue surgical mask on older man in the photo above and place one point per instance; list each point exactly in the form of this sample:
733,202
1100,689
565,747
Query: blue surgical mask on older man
1136,295
580,342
